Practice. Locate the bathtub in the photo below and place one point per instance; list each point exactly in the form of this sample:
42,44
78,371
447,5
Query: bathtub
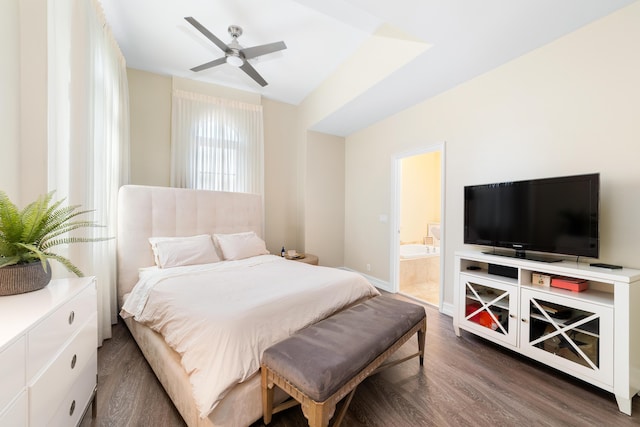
419,265
418,251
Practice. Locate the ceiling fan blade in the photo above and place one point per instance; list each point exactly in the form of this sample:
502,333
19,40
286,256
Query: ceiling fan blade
247,68
222,45
210,64
255,51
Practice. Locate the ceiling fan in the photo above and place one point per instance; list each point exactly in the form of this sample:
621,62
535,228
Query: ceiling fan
234,53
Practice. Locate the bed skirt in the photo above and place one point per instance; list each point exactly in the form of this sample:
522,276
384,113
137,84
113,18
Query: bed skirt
240,407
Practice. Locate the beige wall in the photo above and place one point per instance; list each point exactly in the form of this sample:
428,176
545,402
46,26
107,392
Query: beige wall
569,107
280,177
420,198
324,201
150,104
10,99
215,90
150,121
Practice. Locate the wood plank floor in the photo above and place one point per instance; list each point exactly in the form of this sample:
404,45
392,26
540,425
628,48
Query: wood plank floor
465,381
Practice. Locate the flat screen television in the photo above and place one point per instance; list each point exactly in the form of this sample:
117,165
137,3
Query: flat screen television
554,215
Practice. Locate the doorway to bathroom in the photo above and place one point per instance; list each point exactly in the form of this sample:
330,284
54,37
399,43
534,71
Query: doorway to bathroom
418,225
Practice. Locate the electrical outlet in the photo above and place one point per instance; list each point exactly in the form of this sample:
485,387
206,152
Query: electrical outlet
368,267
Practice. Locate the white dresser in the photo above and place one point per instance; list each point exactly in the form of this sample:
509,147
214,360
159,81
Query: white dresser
48,354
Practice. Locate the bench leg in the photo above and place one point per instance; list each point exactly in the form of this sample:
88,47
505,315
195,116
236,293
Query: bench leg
421,339
267,398
343,410
318,414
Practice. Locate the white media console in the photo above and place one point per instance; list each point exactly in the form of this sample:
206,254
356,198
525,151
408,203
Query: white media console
593,335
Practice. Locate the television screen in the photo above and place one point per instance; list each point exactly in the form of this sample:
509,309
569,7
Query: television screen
556,215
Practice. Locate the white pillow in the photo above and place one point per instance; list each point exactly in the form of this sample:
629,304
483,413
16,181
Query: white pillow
176,251
240,245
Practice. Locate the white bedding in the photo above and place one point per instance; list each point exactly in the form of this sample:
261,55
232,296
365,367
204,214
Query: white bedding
221,317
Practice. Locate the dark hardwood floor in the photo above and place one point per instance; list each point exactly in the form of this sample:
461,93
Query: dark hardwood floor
465,381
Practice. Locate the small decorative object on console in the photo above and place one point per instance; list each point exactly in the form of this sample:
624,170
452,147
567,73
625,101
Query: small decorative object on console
482,318
572,284
541,279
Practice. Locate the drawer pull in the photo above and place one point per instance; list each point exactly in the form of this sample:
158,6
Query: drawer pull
73,361
72,408
72,316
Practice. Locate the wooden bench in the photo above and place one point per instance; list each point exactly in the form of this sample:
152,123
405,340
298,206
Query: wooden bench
321,364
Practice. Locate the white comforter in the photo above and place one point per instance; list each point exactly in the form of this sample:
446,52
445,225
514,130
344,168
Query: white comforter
221,317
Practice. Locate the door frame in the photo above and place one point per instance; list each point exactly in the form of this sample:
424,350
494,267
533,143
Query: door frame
396,191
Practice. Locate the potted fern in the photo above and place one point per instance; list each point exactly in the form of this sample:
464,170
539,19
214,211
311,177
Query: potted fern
27,237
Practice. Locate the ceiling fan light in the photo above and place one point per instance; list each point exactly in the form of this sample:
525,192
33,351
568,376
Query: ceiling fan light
235,61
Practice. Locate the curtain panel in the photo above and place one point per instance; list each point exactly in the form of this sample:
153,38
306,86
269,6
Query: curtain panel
88,135
216,144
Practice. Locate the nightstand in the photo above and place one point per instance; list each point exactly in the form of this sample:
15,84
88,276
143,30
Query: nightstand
308,259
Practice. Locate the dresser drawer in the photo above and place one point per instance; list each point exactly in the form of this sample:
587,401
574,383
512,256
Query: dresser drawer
47,338
76,401
75,360
16,414
12,371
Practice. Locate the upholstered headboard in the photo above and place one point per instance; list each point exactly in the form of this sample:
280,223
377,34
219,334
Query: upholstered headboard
145,212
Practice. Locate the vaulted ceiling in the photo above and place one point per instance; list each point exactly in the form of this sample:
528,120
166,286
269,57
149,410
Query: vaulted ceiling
391,54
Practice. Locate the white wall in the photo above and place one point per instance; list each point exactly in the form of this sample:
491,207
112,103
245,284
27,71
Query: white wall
10,99
569,107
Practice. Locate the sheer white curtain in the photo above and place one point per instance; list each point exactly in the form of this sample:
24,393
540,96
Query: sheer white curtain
88,134
216,144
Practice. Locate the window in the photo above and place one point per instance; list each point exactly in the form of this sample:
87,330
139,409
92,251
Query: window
217,144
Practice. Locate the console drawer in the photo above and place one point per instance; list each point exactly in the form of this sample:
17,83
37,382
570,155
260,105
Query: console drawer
47,392
12,371
16,414
47,338
74,403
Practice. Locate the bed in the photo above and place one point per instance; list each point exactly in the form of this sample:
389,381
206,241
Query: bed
257,284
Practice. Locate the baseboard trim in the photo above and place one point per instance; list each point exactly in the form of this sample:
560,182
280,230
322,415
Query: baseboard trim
447,309
385,286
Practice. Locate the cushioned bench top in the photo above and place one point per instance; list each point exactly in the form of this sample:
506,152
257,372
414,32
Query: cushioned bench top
321,358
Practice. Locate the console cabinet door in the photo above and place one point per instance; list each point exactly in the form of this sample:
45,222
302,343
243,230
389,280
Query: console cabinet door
571,335
489,308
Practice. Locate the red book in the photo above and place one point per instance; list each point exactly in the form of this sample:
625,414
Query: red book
575,285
